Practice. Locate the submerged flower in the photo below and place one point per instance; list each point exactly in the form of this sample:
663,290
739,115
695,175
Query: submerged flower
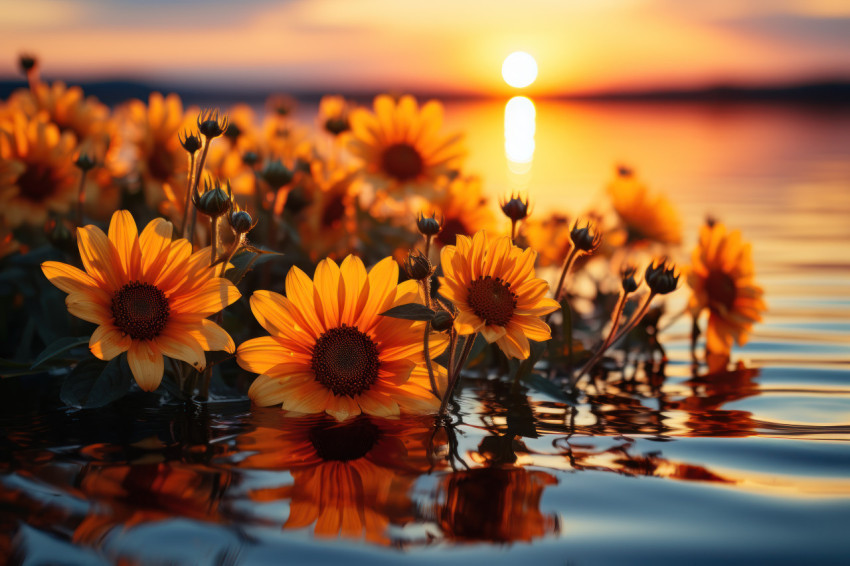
400,146
330,350
722,279
37,172
494,287
645,216
150,296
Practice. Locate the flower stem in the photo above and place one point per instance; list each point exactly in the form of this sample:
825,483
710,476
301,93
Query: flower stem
213,239
567,266
455,376
234,247
628,327
426,339
81,197
189,182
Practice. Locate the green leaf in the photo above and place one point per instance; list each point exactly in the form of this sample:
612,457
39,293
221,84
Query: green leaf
94,383
58,348
410,311
541,384
11,368
249,257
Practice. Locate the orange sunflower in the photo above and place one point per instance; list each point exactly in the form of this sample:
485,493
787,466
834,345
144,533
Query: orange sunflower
150,296
494,287
464,208
400,146
722,280
350,478
37,172
330,350
645,216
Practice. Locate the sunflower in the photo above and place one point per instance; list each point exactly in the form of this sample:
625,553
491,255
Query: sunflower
550,236
494,287
495,504
37,171
333,114
352,478
645,216
159,159
67,107
464,209
148,295
722,280
330,350
400,146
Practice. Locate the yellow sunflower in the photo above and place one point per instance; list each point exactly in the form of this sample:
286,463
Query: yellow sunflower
330,350
400,146
150,296
37,172
333,114
722,280
464,209
67,107
350,478
494,287
645,216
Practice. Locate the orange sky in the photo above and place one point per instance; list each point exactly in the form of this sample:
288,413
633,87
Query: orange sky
436,46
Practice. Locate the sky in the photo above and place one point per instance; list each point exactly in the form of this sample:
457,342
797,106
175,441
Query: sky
435,46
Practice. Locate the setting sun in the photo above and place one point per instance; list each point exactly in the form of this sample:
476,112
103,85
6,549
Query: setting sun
519,69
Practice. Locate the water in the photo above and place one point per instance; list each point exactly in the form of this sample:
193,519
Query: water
751,465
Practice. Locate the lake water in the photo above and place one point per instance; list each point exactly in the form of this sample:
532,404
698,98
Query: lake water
750,466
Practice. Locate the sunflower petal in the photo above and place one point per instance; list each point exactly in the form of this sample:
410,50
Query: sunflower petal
125,237
106,342
146,363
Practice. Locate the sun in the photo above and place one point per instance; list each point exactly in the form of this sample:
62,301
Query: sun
519,69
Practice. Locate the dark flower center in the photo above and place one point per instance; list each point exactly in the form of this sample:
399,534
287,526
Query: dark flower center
451,228
161,163
402,161
140,310
344,442
492,300
37,183
345,361
721,289
334,211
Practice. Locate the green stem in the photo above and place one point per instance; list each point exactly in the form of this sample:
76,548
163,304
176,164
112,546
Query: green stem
567,265
426,339
453,379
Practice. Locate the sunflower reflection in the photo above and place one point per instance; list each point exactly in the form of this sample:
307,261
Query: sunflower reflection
351,479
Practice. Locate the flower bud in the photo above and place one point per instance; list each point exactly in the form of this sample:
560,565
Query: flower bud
586,239
211,125
190,142
661,278
85,162
241,222
514,208
442,321
429,226
276,174
232,132
214,201
418,266
628,279
250,158
27,62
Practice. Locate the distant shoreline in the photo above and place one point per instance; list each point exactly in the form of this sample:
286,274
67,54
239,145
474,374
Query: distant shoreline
831,92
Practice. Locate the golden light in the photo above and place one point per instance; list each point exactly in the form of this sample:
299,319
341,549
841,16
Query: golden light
519,69
520,126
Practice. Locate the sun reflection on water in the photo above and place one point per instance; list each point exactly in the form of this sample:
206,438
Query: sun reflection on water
520,126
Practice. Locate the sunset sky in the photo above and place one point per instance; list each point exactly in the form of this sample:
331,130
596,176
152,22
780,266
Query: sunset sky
446,46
